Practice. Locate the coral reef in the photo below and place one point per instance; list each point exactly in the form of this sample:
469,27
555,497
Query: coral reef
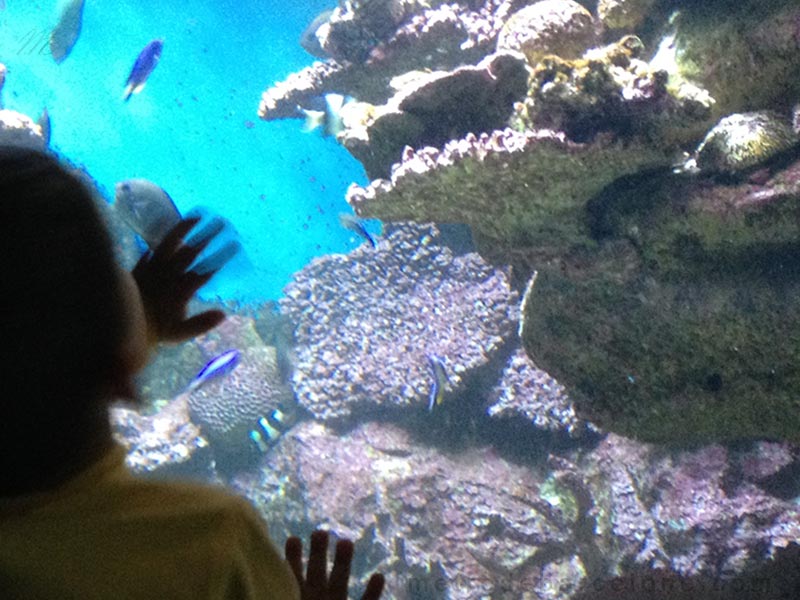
525,391
17,129
356,26
359,346
517,188
679,263
440,527
229,407
623,14
775,580
417,514
164,444
742,141
433,108
739,51
561,27
442,38
611,88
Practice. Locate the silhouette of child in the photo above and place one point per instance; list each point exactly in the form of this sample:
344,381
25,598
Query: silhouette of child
75,329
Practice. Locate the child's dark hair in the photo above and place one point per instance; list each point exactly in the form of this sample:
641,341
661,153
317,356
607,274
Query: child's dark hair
62,315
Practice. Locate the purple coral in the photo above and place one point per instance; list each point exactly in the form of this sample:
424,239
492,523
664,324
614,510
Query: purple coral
527,391
366,322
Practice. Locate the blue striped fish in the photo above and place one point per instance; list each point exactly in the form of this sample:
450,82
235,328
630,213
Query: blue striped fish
215,368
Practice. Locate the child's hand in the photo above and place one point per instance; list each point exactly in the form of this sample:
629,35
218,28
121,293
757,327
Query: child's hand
166,287
316,585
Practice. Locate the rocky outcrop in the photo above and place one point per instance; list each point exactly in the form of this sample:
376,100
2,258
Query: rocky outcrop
367,323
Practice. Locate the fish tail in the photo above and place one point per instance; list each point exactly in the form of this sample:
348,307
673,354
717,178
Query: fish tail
314,120
128,92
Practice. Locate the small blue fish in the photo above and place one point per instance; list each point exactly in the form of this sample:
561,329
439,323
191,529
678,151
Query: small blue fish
217,367
356,225
144,65
439,381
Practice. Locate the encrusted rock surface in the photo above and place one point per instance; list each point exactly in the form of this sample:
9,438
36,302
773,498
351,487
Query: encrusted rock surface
517,188
611,88
356,26
229,407
742,141
680,325
164,444
438,524
526,391
623,14
367,321
436,107
442,38
424,518
561,27
17,129
738,51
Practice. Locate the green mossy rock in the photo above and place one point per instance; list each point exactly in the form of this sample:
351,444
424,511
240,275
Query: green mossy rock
682,325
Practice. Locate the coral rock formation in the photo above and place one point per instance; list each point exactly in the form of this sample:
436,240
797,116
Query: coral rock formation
367,321
742,141
517,188
561,27
166,443
526,391
623,14
17,129
436,107
679,325
229,407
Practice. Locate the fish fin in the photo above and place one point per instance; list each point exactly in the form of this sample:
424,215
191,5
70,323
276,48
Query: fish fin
314,120
44,125
335,102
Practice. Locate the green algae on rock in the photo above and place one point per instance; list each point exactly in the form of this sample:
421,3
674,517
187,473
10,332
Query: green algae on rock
561,27
683,324
742,141
742,52
516,188
611,88
623,14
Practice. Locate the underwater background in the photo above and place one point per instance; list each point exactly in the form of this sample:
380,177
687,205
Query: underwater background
195,132
552,350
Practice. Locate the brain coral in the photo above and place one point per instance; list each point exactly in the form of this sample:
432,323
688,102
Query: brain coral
228,407
367,321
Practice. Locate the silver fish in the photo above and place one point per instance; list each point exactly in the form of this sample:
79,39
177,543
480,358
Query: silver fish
66,31
147,209
44,124
330,119
309,40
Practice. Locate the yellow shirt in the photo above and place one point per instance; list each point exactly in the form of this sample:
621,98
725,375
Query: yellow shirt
109,535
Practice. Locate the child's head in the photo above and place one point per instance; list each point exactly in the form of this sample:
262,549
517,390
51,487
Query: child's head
65,317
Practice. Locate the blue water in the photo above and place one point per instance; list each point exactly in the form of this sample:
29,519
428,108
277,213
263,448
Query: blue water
194,128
